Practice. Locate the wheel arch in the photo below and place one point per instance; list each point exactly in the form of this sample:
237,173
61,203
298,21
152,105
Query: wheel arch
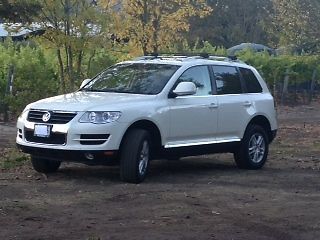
153,130
264,123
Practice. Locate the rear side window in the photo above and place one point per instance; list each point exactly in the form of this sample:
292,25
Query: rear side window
251,81
227,80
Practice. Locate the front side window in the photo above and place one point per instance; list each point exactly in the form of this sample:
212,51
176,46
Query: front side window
227,80
250,80
199,75
136,78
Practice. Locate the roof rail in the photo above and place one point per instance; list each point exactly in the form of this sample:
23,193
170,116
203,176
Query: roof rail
183,56
162,57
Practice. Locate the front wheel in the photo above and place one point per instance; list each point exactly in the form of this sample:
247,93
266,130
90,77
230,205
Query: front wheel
135,156
44,165
253,150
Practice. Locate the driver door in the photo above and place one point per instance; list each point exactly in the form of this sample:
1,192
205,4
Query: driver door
193,119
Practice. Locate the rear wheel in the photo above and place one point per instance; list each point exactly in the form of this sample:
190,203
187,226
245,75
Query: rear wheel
44,165
135,156
253,150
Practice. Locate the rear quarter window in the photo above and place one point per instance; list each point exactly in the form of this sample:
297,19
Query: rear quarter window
250,80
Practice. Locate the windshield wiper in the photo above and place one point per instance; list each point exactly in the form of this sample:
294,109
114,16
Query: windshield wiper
113,91
101,90
91,90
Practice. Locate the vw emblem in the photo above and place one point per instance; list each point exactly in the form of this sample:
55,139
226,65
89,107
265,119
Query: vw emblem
46,117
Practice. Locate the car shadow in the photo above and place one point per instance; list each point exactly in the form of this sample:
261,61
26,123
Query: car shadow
160,170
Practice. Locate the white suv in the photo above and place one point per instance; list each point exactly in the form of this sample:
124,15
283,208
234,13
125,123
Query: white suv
153,107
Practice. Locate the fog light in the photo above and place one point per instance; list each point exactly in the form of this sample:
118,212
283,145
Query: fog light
20,133
89,156
109,153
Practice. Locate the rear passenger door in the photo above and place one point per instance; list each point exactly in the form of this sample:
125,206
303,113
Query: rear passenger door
235,107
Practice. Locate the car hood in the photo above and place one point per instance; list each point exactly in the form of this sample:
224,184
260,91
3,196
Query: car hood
90,101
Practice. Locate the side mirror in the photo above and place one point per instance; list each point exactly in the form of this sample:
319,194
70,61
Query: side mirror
84,82
185,89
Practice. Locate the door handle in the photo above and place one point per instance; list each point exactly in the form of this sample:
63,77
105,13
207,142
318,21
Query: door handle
213,105
247,104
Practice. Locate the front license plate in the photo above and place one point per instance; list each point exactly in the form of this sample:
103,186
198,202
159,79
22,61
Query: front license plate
42,130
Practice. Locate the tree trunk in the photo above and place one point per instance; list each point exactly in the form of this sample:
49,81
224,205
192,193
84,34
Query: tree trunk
144,48
89,62
62,86
145,19
68,47
156,26
70,67
79,63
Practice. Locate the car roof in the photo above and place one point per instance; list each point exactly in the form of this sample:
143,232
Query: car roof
183,60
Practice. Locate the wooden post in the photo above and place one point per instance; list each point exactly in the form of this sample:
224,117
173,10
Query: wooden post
8,92
312,85
285,86
275,87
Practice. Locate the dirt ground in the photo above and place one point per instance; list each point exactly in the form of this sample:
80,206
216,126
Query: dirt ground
203,197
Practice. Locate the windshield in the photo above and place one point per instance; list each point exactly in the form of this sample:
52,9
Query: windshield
137,78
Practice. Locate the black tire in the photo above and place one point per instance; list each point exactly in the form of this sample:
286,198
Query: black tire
173,158
44,165
253,150
135,156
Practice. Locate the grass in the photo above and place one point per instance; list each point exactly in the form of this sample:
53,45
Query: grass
12,158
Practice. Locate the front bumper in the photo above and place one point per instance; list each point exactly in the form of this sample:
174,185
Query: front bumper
72,136
80,142
82,156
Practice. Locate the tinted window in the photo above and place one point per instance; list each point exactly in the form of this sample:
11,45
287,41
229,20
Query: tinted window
138,78
227,80
200,77
251,82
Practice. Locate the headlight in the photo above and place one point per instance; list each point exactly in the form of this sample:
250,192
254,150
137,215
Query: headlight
100,117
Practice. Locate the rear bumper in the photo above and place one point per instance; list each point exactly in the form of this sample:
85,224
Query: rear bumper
89,157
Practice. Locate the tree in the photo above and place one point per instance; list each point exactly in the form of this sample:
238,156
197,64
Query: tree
18,10
155,25
73,28
232,22
297,22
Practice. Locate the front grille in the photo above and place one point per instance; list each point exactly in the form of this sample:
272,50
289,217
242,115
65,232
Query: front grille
56,117
93,139
55,138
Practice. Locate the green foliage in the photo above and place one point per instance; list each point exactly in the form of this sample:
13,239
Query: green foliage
274,69
12,158
232,22
200,47
34,78
296,23
19,11
36,73
74,29
153,25
100,60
